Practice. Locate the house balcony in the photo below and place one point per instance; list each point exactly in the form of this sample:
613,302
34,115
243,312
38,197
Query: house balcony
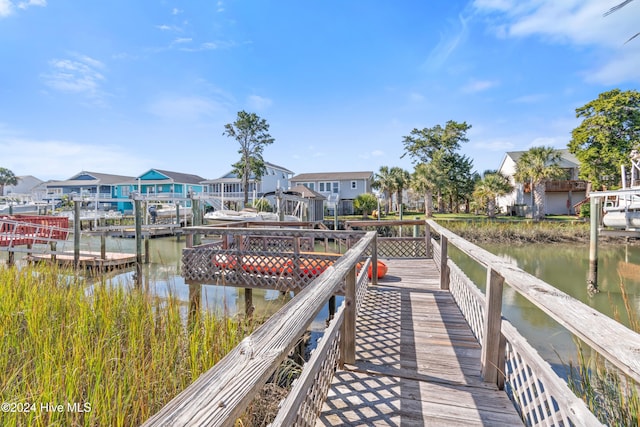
560,186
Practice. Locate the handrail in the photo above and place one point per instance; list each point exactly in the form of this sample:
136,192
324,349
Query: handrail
617,343
220,395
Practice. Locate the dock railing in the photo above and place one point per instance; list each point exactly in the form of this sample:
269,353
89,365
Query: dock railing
541,396
222,394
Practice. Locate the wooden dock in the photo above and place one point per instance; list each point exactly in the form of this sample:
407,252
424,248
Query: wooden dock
417,361
88,259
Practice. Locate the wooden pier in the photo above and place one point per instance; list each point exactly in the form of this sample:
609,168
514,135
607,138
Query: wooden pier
422,346
417,361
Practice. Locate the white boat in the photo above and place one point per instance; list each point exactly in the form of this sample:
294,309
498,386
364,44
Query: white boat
622,219
166,210
245,215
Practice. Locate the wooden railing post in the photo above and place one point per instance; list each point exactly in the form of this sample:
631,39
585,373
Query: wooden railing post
492,345
348,341
444,267
427,239
374,261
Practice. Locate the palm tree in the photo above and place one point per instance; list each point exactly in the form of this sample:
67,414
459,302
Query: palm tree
401,178
487,190
424,179
385,182
7,178
535,167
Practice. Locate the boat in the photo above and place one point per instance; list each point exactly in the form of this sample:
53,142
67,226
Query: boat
246,214
311,264
167,210
622,219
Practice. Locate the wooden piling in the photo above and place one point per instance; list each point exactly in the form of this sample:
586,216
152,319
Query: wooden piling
592,278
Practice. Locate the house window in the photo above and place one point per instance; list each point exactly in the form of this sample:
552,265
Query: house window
354,185
309,185
336,187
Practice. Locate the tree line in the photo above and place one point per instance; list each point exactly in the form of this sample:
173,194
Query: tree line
604,140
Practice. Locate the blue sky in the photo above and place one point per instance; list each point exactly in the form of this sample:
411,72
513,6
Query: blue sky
125,86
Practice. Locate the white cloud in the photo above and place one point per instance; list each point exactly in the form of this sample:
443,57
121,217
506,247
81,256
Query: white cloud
53,159
220,6
479,86
377,153
29,3
574,22
258,102
6,8
184,108
81,75
176,11
447,45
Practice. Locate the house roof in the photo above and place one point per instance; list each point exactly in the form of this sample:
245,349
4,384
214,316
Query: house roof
231,176
305,192
185,178
278,167
567,160
332,176
99,178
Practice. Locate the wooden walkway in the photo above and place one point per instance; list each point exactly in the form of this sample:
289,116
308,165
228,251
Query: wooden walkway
417,361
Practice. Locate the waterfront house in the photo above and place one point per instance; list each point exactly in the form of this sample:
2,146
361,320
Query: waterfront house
90,185
340,188
160,186
227,190
561,194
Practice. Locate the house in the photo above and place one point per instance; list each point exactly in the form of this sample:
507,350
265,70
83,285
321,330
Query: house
87,184
561,195
25,189
159,185
227,190
340,188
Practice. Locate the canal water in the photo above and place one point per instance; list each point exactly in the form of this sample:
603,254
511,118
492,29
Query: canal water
561,265
565,266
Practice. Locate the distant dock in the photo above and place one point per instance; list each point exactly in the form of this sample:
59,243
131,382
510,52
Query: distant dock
88,260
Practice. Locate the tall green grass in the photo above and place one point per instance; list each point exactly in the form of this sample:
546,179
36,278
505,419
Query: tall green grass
114,351
520,232
611,395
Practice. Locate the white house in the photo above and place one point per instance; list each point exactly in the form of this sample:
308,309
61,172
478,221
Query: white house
561,195
228,189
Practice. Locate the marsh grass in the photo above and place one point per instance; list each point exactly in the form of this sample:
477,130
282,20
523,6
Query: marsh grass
612,396
520,232
116,352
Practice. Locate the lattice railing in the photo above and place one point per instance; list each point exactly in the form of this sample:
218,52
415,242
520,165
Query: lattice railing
304,402
541,397
282,259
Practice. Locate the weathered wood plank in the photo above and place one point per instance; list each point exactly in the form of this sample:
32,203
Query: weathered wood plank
417,361
620,345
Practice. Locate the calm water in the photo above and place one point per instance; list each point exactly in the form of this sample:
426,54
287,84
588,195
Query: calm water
563,266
